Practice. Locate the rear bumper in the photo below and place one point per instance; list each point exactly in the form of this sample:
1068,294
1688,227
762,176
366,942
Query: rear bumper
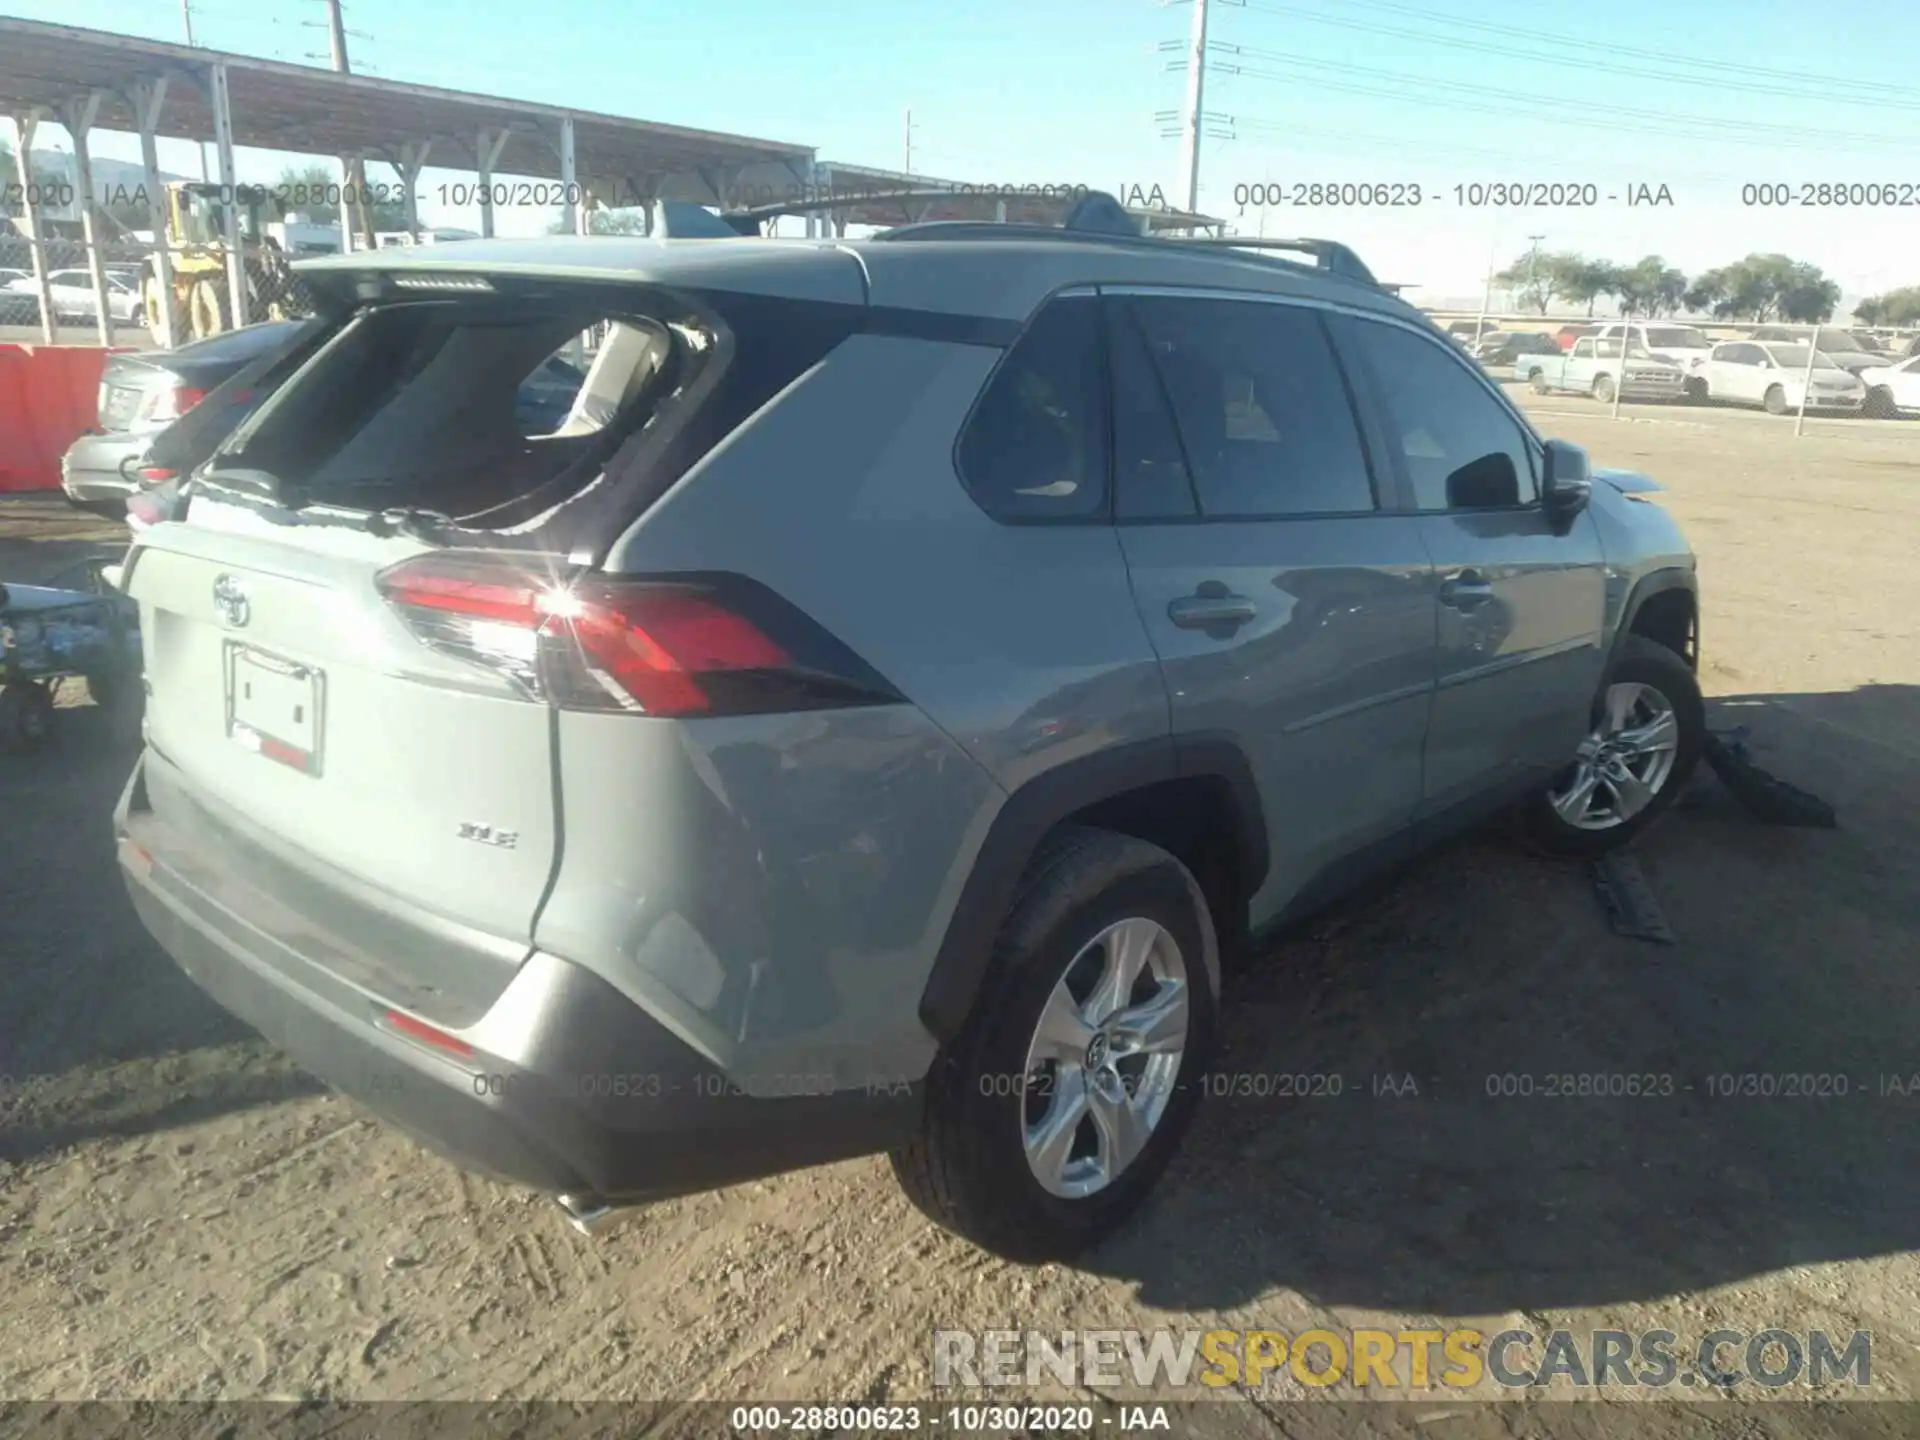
569,1087
98,467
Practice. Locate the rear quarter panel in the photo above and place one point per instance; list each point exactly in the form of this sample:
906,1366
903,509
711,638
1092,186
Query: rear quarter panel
777,888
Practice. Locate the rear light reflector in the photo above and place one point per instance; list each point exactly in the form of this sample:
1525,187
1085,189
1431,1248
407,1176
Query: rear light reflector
425,1034
668,646
157,474
172,404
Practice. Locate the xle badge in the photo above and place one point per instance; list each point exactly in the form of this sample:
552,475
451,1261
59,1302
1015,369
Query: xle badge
488,835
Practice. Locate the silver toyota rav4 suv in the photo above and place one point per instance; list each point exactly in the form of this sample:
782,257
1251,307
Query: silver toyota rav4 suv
861,718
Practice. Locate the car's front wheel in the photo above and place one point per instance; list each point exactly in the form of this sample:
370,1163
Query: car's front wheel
1649,724
1062,1100
1603,389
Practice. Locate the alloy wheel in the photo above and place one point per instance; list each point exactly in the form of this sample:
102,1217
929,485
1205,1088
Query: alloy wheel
1104,1058
1623,764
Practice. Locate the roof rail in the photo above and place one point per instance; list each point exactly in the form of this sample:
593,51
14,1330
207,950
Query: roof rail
1096,214
1328,255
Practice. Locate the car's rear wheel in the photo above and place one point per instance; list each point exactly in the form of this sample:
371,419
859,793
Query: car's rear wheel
1776,401
1649,724
1538,380
1603,389
1062,1100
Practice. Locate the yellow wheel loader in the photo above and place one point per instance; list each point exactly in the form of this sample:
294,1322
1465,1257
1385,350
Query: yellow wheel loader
197,245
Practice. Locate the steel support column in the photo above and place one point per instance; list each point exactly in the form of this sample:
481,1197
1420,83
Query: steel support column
229,207
409,163
571,210
78,116
25,123
486,151
146,101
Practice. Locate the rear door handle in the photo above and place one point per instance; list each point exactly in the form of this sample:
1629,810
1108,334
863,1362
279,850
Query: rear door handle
1466,590
1207,612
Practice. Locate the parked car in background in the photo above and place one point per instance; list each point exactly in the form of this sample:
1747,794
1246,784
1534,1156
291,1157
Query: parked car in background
1500,350
1681,345
71,292
1892,389
1466,332
142,392
1774,376
1567,334
1852,353
618,769
1594,367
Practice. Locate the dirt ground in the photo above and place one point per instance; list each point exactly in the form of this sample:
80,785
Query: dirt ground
183,1215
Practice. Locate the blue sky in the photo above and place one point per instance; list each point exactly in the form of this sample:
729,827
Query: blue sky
1700,97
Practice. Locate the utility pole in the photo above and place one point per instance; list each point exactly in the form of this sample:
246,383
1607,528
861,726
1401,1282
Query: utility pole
1196,97
908,133
186,18
1533,262
355,212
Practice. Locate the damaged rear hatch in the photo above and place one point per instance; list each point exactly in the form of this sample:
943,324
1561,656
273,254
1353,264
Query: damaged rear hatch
340,684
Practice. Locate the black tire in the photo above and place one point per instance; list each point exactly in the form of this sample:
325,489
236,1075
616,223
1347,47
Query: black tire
211,308
1880,404
1643,661
967,1170
1538,380
26,717
1776,401
1603,389
1694,391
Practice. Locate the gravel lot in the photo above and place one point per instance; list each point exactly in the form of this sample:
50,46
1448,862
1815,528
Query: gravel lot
183,1215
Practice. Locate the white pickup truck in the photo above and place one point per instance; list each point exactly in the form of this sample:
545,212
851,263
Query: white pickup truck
1593,367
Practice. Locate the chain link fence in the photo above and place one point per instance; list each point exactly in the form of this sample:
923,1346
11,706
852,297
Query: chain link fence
274,292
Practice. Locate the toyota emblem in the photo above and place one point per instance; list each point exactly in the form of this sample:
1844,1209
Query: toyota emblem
230,599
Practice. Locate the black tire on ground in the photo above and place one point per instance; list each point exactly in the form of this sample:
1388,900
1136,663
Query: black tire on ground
1776,401
1538,380
968,1170
1880,403
1694,391
1648,663
26,717
1603,389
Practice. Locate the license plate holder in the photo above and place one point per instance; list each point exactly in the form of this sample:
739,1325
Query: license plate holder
275,707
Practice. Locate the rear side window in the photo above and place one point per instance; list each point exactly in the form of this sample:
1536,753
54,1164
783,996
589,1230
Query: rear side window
454,406
1035,447
1462,450
1261,408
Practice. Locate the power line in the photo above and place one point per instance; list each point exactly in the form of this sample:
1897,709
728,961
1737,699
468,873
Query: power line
1483,47
1551,111
1723,67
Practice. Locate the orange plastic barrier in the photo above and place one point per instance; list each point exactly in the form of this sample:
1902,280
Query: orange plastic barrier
49,396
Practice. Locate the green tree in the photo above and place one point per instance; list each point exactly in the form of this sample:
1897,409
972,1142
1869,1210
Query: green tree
43,177
1581,280
1531,280
1649,287
1766,287
1896,307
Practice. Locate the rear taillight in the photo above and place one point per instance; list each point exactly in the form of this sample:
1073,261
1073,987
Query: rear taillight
157,474
169,405
673,646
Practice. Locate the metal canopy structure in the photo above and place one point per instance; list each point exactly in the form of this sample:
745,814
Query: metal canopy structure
278,106
93,79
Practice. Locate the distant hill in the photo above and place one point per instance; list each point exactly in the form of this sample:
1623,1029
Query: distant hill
112,179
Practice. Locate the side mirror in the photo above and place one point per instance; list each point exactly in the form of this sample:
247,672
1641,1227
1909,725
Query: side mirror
1566,482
